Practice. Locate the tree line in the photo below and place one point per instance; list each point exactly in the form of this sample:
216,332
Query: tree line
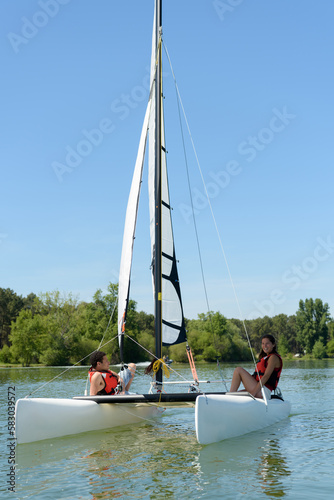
54,329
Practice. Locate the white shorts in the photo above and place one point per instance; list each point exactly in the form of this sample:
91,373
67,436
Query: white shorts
125,375
267,392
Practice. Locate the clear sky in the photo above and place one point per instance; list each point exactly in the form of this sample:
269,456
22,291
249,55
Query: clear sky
256,79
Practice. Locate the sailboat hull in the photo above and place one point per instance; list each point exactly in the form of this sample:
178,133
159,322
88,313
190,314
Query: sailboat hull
219,417
45,418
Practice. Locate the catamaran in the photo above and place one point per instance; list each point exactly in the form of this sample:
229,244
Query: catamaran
218,415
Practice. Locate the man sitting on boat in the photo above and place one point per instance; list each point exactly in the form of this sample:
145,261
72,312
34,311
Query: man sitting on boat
268,370
105,382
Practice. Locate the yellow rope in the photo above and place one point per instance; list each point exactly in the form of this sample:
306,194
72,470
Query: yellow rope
164,367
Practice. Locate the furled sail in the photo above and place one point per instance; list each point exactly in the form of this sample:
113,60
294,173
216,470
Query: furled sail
129,230
173,326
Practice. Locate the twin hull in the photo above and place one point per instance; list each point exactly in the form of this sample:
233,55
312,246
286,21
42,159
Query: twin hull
45,418
217,416
222,417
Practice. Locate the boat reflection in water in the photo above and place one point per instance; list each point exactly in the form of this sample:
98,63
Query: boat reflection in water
129,460
237,456
132,460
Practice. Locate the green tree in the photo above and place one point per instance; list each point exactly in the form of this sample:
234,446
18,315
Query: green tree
108,301
212,336
6,354
178,353
312,320
59,319
330,343
319,350
283,346
10,307
284,331
27,337
29,301
204,334
330,349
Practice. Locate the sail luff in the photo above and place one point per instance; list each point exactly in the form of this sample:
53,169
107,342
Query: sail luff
129,231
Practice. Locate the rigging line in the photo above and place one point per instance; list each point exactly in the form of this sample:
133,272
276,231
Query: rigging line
179,101
154,356
67,369
221,374
116,302
188,178
100,344
212,213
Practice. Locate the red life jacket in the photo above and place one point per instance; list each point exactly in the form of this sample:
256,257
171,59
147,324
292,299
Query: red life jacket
261,368
110,381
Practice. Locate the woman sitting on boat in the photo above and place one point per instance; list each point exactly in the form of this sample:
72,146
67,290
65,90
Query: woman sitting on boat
104,382
268,370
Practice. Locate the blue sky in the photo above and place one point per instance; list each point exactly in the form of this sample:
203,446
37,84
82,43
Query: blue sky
256,80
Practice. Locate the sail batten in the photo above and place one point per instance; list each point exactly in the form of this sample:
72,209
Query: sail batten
170,329
173,326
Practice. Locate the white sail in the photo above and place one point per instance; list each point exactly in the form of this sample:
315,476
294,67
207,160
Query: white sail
173,328
130,228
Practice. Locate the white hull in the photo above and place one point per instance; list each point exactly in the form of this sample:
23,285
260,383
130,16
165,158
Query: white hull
219,417
45,418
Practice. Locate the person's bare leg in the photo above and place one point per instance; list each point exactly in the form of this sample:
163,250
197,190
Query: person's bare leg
242,375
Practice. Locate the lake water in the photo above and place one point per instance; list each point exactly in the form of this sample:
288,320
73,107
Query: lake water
162,459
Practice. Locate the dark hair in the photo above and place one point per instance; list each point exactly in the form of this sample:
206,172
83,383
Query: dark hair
95,357
149,368
273,341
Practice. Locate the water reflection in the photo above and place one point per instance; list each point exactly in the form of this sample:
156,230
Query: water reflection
272,469
120,462
143,462
257,458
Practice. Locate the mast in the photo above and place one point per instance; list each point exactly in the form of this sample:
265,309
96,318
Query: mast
158,245
168,310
